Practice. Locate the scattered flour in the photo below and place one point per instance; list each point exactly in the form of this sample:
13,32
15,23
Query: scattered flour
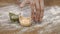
51,19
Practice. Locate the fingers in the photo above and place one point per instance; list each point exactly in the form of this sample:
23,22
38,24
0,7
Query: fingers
42,4
42,9
37,4
24,3
37,10
32,4
42,13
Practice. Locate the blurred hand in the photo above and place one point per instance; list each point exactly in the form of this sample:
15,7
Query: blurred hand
37,7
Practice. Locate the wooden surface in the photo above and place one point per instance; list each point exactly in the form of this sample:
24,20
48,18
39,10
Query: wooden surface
51,19
47,2
52,2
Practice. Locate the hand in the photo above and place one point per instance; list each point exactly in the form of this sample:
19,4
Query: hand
37,7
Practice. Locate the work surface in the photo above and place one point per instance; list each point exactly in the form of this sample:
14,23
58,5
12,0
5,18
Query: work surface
49,25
